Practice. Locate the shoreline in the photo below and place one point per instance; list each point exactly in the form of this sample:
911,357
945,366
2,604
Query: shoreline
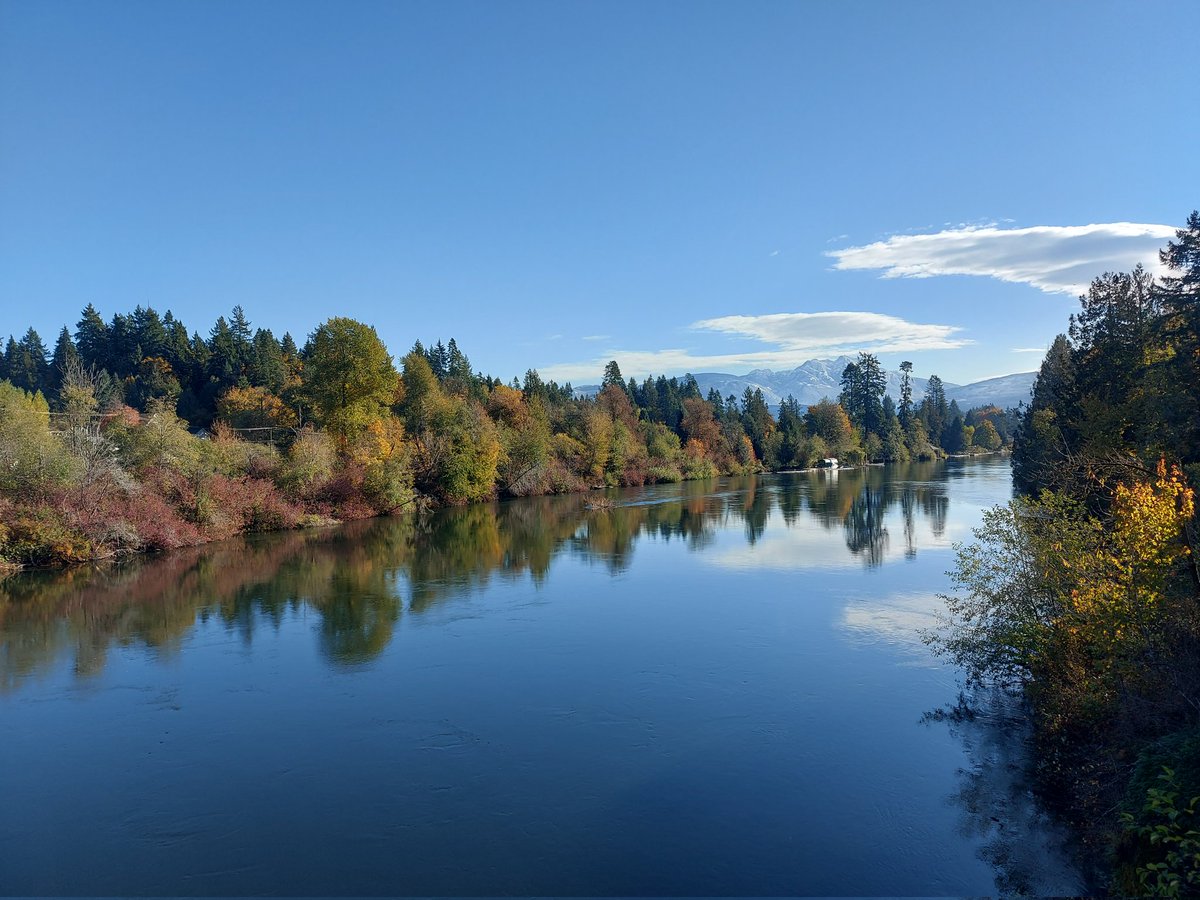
418,505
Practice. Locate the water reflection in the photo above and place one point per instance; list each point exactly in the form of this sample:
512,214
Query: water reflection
709,688
1031,854
361,578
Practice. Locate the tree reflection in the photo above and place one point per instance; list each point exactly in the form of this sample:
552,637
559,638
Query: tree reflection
1031,855
866,534
355,627
360,578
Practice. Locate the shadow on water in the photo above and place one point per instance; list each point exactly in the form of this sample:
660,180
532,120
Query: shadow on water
1032,855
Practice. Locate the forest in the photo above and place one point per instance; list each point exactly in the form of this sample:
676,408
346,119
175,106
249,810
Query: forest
134,434
1083,594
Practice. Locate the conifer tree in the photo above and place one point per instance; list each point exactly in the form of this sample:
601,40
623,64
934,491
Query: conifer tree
91,338
65,357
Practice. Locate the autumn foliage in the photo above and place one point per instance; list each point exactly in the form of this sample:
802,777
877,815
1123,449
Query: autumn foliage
1084,593
194,440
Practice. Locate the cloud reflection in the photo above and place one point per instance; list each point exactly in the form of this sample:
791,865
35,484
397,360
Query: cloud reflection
360,581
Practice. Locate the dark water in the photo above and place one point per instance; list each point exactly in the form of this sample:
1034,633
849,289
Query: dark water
712,688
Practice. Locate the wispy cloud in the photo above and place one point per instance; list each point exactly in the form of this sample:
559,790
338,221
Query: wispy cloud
1027,350
595,337
787,339
836,331
1052,258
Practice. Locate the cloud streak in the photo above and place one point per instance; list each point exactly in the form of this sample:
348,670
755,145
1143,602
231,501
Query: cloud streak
784,341
1057,259
836,331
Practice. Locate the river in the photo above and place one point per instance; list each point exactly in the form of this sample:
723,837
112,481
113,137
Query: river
714,688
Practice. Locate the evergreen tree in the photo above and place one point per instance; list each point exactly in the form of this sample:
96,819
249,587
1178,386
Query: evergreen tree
1179,382
934,410
239,327
757,419
148,331
851,397
124,355
533,386
648,399
9,359
793,433
889,413
91,338
1041,444
65,357
612,376
459,379
177,348
906,400
27,366
874,383
863,384
224,363
715,401
954,438
267,367
288,346
439,361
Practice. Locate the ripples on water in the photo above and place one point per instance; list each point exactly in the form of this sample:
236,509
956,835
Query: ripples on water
710,688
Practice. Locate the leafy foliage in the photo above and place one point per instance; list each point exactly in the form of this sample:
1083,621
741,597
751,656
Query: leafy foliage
1170,824
1084,592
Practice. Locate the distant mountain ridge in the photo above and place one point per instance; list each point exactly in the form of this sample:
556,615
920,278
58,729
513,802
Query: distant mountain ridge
817,379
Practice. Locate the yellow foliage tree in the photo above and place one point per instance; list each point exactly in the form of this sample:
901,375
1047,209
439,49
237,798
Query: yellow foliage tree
254,407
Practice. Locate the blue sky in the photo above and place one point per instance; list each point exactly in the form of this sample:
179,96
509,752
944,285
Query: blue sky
679,185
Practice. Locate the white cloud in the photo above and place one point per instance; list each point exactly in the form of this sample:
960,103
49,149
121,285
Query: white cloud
790,339
1027,350
1052,258
832,332
595,337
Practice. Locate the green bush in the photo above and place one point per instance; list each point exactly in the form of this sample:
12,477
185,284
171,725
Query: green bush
1167,837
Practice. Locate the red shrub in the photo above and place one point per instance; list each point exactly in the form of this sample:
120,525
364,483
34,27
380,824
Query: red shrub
157,525
267,509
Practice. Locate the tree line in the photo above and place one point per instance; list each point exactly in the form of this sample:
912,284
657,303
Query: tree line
1084,592
136,433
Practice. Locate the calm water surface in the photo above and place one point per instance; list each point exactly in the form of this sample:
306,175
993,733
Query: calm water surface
712,688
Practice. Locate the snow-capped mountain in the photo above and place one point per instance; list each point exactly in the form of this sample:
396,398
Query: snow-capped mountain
819,378
1005,391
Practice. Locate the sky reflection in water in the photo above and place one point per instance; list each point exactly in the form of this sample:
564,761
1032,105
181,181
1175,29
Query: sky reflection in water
707,689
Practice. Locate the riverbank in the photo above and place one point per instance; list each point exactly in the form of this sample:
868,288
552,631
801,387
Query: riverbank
54,535
58,546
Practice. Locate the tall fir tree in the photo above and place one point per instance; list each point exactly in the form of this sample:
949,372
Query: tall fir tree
91,338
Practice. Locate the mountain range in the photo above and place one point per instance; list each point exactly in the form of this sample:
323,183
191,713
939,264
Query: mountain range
816,379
